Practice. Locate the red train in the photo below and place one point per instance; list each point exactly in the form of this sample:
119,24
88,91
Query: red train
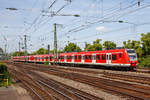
112,58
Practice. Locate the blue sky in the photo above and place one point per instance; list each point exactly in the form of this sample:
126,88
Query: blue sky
98,19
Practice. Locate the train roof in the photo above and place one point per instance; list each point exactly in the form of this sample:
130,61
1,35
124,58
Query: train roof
33,55
77,53
100,51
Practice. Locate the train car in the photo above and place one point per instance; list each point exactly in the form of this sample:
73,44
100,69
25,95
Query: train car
111,58
34,58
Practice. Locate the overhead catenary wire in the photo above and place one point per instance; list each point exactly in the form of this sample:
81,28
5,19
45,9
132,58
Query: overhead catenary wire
93,35
82,27
87,26
38,17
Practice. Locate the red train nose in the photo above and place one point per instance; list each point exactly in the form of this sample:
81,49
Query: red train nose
133,63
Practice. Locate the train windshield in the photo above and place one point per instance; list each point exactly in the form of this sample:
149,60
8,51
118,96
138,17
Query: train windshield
132,57
130,51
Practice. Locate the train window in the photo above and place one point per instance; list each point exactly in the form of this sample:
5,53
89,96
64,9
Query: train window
79,57
109,57
90,57
130,51
120,55
86,57
103,57
94,57
75,57
70,57
114,57
98,57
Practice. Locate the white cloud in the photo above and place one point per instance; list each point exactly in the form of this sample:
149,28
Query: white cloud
101,28
92,5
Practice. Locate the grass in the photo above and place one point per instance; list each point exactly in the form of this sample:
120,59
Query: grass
47,63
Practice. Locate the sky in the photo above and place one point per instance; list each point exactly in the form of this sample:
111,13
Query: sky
98,20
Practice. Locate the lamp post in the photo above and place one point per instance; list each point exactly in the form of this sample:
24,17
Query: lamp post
75,15
14,9
52,14
119,21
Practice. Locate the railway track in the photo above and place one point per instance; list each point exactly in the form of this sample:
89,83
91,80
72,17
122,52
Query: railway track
135,91
56,90
107,74
35,90
72,92
142,70
126,89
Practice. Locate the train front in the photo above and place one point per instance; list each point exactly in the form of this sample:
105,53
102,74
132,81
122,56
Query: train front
132,58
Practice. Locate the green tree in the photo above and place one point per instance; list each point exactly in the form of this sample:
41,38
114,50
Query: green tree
72,47
136,45
145,39
17,53
109,44
96,46
42,51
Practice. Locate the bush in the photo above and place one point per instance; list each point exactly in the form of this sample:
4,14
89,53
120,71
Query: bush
4,75
144,61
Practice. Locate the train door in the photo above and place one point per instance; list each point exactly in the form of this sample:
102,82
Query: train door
82,58
94,58
65,58
73,58
108,58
